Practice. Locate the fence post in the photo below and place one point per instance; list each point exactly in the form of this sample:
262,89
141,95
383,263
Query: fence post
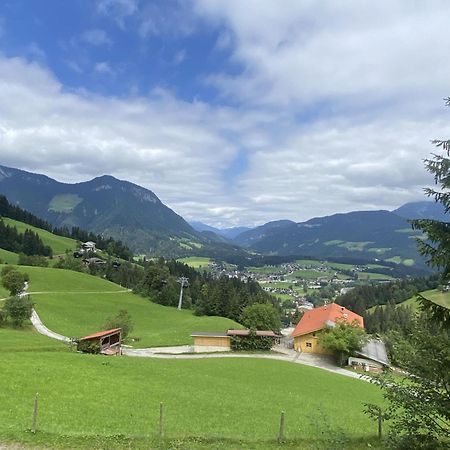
35,413
281,430
161,420
380,424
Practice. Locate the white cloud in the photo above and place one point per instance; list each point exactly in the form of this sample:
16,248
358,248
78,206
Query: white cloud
104,68
333,110
355,53
96,37
117,10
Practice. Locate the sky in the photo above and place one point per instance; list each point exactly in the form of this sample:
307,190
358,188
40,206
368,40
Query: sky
233,112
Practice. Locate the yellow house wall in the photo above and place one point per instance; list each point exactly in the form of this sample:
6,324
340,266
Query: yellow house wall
212,341
300,344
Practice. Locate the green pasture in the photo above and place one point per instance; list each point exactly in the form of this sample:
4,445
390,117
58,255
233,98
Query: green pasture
8,257
374,276
398,260
64,203
354,246
89,402
196,262
76,304
59,244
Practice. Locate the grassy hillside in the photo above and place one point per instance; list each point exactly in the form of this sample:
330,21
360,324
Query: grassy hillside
8,257
440,298
91,401
59,244
75,304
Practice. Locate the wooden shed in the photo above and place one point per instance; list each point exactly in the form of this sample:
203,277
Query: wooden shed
106,342
211,339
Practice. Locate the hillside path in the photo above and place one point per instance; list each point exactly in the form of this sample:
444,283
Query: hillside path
180,352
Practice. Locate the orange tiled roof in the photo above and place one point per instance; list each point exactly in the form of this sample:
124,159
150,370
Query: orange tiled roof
317,318
101,334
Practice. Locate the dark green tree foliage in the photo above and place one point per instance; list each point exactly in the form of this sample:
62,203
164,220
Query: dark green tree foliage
18,309
27,242
110,245
436,248
32,260
251,342
261,317
343,339
121,320
391,317
223,296
419,403
363,297
13,281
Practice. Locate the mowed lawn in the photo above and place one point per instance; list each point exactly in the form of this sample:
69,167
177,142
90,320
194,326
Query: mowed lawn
86,400
59,244
196,262
76,304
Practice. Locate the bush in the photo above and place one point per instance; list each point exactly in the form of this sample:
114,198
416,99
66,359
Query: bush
121,320
18,309
32,260
89,347
251,342
14,281
261,316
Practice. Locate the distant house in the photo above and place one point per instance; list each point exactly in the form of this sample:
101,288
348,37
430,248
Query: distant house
94,261
105,342
306,332
221,341
88,246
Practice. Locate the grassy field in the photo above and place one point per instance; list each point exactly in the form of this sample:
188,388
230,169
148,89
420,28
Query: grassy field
8,257
89,402
75,304
374,276
440,298
195,262
59,244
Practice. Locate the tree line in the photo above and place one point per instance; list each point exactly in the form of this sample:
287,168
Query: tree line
27,242
110,245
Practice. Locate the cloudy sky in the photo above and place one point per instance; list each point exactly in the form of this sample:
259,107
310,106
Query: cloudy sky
233,112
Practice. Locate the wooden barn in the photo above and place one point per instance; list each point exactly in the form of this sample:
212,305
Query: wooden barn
106,342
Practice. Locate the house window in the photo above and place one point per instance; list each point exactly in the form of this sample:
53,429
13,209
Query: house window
314,334
308,344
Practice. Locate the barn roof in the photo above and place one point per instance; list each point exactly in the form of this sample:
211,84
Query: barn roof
318,318
100,334
376,351
268,333
208,334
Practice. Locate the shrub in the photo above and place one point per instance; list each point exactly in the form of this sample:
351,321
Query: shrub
13,281
18,309
32,260
251,342
89,347
121,320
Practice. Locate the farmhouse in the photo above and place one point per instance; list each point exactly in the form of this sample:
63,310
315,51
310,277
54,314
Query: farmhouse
221,341
88,246
105,342
306,332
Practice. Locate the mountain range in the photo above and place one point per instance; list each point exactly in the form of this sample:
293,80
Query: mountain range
135,215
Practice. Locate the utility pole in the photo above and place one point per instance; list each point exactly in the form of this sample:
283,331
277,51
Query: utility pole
184,282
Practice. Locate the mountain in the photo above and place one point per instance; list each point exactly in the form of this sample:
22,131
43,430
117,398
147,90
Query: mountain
362,234
253,235
422,210
104,205
229,233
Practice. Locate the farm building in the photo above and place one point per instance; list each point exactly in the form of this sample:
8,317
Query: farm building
372,357
105,342
305,333
221,341
89,246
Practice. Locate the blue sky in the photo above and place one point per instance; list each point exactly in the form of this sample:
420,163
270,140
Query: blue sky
233,113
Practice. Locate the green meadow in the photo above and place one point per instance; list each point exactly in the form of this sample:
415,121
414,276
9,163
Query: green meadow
195,262
8,257
76,304
59,244
88,401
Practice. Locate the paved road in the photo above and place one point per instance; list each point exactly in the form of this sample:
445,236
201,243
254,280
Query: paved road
185,352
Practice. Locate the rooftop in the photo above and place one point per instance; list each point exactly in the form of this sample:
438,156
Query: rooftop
100,334
318,318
